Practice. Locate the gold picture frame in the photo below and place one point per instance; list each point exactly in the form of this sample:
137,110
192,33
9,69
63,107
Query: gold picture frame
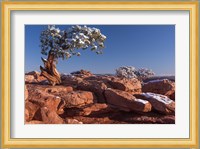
7,141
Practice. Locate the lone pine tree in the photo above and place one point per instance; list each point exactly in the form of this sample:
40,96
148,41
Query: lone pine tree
56,43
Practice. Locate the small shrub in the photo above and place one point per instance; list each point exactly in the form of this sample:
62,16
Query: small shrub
126,72
131,72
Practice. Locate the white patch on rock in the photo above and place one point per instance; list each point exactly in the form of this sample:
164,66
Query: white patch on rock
159,97
141,100
155,81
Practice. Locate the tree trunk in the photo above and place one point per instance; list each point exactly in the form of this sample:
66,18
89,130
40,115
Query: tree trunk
49,70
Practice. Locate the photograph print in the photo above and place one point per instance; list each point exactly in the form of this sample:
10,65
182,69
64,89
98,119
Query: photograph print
99,74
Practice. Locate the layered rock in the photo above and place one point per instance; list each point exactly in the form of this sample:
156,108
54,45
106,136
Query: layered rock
126,101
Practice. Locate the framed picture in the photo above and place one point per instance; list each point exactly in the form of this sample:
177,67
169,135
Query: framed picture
100,74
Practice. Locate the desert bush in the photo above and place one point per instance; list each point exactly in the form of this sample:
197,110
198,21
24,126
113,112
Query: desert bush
131,72
126,72
144,73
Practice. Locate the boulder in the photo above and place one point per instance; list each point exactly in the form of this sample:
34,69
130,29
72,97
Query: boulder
126,101
129,85
159,86
159,102
43,99
69,80
97,87
78,98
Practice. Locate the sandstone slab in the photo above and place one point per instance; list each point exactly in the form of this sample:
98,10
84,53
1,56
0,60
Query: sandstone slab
159,102
126,101
159,86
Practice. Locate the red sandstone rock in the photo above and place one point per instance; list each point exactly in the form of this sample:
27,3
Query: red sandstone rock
126,101
97,87
73,121
69,80
159,86
98,84
43,99
159,102
97,108
50,117
171,94
35,122
61,104
129,85
34,77
26,93
78,98
57,89
32,73
82,73
29,79
30,110
26,115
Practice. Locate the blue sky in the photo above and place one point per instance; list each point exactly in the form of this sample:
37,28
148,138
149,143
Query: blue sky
148,46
